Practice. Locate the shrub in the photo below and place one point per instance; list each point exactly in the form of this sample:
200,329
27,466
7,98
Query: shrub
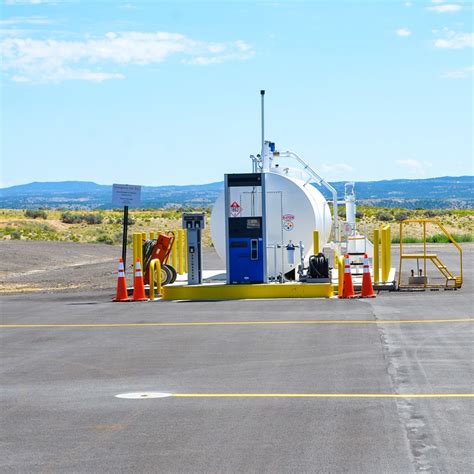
92,219
384,216
15,235
359,215
70,218
401,216
105,239
36,213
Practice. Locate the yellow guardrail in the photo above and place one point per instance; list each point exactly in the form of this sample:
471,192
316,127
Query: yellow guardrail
155,271
456,280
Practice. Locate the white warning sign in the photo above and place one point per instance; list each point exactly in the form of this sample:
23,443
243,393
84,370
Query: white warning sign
235,209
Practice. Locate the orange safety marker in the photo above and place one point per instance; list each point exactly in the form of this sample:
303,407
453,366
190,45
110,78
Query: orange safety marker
122,293
348,288
138,286
367,288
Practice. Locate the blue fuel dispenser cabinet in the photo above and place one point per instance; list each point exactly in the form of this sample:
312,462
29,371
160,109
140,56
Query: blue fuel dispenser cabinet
245,228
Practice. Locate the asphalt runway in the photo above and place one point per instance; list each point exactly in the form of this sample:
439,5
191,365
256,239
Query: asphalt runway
375,385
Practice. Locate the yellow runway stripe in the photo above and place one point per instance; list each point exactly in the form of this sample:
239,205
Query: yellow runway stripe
239,323
323,395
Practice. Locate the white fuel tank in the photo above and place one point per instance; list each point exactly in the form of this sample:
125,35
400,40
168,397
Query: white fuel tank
294,211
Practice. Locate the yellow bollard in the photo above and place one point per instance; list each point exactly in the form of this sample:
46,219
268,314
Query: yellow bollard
174,252
315,242
340,274
389,250
383,255
137,239
155,270
180,268
386,252
185,250
376,262
140,249
152,235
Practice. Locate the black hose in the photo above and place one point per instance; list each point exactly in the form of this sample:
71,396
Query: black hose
147,252
318,266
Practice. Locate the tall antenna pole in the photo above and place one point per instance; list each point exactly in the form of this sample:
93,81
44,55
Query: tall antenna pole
262,156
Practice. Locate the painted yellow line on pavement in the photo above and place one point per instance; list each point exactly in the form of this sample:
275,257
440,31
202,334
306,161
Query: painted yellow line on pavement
323,395
241,323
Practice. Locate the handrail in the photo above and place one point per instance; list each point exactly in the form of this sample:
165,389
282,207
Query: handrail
425,256
155,269
320,181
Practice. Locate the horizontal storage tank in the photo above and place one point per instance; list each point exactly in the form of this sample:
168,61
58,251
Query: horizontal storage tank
294,211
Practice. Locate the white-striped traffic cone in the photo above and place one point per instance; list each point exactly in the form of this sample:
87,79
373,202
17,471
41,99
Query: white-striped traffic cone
367,288
138,286
348,287
122,293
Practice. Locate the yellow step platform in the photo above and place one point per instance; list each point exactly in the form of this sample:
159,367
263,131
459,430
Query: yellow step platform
222,291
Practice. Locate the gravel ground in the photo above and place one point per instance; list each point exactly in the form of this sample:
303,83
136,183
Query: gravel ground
33,266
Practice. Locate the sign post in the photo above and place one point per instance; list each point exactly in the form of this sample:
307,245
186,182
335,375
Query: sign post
125,195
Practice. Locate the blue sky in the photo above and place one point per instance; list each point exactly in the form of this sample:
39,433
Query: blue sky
158,93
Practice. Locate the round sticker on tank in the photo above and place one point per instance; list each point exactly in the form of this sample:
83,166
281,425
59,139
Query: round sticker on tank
288,225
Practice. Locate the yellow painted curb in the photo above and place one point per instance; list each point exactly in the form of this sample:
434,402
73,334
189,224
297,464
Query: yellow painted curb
261,291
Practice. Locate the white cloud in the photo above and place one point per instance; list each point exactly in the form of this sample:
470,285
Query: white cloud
128,6
403,32
337,168
462,73
448,8
51,60
29,2
455,40
408,4
415,167
26,20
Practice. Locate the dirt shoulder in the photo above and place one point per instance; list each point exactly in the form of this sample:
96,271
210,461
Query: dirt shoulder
29,266
42,266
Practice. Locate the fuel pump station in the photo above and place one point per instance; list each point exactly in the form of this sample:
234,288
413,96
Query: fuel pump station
245,227
194,223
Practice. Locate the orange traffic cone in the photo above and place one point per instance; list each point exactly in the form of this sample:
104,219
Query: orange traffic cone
138,286
122,294
367,288
348,287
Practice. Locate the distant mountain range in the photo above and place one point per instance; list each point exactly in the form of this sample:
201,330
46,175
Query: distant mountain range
444,192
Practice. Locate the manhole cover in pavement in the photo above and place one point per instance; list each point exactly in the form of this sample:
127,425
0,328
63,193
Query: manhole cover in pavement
143,395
